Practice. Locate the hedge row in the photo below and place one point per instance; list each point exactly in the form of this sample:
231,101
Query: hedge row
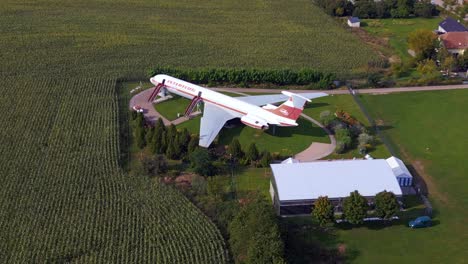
249,76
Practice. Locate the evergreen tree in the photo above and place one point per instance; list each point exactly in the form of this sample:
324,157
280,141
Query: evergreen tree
235,149
164,143
171,151
201,162
323,211
149,135
355,208
140,131
171,133
266,159
386,205
252,153
193,144
183,139
140,137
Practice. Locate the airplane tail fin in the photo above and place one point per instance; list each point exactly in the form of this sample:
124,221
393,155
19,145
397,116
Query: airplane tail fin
293,107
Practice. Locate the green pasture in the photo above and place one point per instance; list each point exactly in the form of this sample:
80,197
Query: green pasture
344,102
124,39
428,129
396,31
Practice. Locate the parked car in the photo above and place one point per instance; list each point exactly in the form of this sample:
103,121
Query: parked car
422,221
138,108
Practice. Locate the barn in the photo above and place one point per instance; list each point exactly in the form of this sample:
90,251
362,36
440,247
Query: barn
294,187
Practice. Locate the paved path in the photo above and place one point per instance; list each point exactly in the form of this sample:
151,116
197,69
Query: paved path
345,91
151,115
317,150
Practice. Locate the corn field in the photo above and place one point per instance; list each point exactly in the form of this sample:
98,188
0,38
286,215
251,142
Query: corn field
64,197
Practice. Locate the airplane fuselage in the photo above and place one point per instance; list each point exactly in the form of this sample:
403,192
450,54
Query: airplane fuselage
236,107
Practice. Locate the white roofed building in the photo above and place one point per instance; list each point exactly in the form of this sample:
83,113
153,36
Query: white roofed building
294,187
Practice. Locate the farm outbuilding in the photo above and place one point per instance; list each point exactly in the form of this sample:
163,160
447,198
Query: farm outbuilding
354,22
400,171
294,187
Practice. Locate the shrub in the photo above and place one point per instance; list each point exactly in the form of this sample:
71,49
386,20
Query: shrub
326,117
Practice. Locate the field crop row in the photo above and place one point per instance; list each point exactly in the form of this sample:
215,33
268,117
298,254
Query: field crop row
127,38
63,195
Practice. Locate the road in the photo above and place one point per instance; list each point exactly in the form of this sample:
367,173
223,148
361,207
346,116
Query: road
344,91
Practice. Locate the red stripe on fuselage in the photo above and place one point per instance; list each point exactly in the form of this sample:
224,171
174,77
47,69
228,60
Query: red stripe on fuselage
230,108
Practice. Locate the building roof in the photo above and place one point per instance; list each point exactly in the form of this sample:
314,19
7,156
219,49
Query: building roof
335,179
451,25
353,19
398,167
455,40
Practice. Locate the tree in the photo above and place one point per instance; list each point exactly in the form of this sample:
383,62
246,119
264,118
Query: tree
183,140
252,153
140,132
424,8
400,12
365,9
373,79
235,149
427,67
448,64
423,42
462,61
254,234
193,144
365,142
386,205
266,159
201,162
326,117
140,136
164,142
155,165
355,208
343,139
172,152
323,211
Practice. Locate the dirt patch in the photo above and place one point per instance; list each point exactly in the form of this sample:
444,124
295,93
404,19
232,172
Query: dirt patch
341,249
419,166
429,180
379,122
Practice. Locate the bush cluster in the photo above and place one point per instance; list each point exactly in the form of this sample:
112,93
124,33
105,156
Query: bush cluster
250,76
378,9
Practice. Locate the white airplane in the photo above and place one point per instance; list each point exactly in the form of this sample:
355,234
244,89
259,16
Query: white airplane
254,111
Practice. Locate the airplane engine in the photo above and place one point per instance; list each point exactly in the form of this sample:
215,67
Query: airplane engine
255,122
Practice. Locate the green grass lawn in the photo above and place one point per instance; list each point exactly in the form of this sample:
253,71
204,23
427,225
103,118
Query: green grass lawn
335,103
249,179
286,140
172,107
429,130
396,31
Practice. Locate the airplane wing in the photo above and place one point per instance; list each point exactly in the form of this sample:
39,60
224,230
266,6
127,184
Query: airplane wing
213,120
260,100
